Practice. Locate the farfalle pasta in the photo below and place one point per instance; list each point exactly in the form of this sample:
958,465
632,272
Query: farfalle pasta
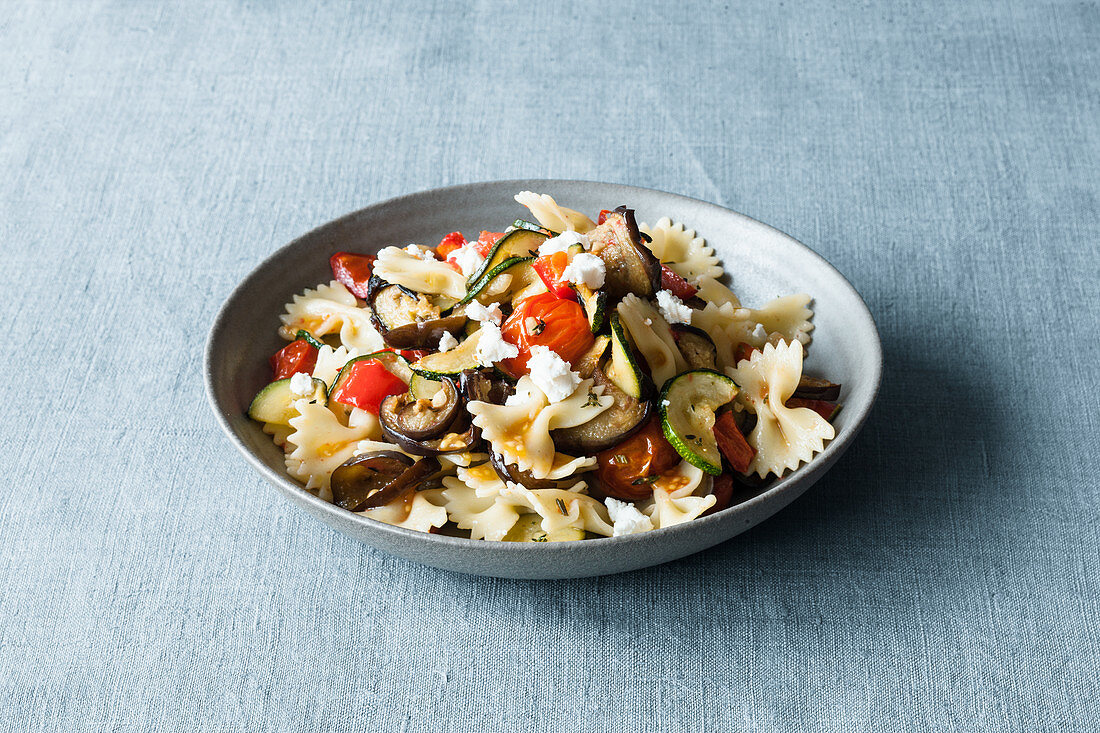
563,379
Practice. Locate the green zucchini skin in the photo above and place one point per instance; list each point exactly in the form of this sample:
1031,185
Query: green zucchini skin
686,407
449,363
481,284
304,335
275,402
516,243
624,370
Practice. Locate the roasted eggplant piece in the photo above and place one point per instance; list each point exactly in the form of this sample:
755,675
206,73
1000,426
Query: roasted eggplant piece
631,267
524,478
484,385
459,439
625,417
378,478
812,388
587,364
416,419
408,320
697,347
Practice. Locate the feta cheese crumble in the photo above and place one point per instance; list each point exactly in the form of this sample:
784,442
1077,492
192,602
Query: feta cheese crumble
301,385
447,341
626,518
672,308
467,258
552,374
562,242
419,252
476,311
586,269
760,333
491,346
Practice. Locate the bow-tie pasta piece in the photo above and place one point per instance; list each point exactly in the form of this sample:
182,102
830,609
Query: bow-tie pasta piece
331,309
686,254
784,437
551,215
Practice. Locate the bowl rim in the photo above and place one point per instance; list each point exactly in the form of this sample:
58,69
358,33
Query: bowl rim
801,478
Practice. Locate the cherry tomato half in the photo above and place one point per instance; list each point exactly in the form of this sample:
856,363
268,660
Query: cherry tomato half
546,320
628,470
299,356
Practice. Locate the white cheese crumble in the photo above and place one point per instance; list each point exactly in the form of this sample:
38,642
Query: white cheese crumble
672,308
301,385
626,518
447,341
476,311
467,258
760,333
419,252
552,374
491,346
562,242
585,269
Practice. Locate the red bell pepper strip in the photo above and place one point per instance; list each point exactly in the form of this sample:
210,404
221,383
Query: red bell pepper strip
603,216
299,356
550,269
367,384
449,244
352,271
827,410
676,285
732,443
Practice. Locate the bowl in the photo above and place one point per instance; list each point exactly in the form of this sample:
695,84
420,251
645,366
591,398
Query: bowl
763,263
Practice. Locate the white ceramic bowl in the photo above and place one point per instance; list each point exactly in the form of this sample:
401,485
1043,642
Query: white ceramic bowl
763,262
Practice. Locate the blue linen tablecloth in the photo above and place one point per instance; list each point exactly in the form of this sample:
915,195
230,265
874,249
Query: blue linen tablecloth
945,156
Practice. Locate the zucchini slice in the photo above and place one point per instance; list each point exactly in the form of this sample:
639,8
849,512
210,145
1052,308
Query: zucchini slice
532,227
480,286
594,303
275,402
424,388
623,370
529,529
687,406
516,243
396,364
449,363
304,335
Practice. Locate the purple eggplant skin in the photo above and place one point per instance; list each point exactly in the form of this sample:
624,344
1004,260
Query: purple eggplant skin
457,442
631,267
812,388
696,346
512,473
369,480
624,418
415,419
422,334
396,328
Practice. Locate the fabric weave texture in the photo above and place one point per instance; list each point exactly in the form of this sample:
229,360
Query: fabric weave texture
944,156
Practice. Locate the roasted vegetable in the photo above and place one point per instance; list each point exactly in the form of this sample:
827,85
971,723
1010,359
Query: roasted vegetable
618,422
408,321
811,388
696,346
378,478
420,418
512,473
631,267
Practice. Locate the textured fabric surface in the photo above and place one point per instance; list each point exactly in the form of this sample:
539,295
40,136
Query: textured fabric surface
945,156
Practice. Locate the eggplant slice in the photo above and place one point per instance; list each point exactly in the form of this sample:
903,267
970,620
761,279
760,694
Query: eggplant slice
625,417
697,347
812,388
416,419
378,478
524,478
631,267
408,320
